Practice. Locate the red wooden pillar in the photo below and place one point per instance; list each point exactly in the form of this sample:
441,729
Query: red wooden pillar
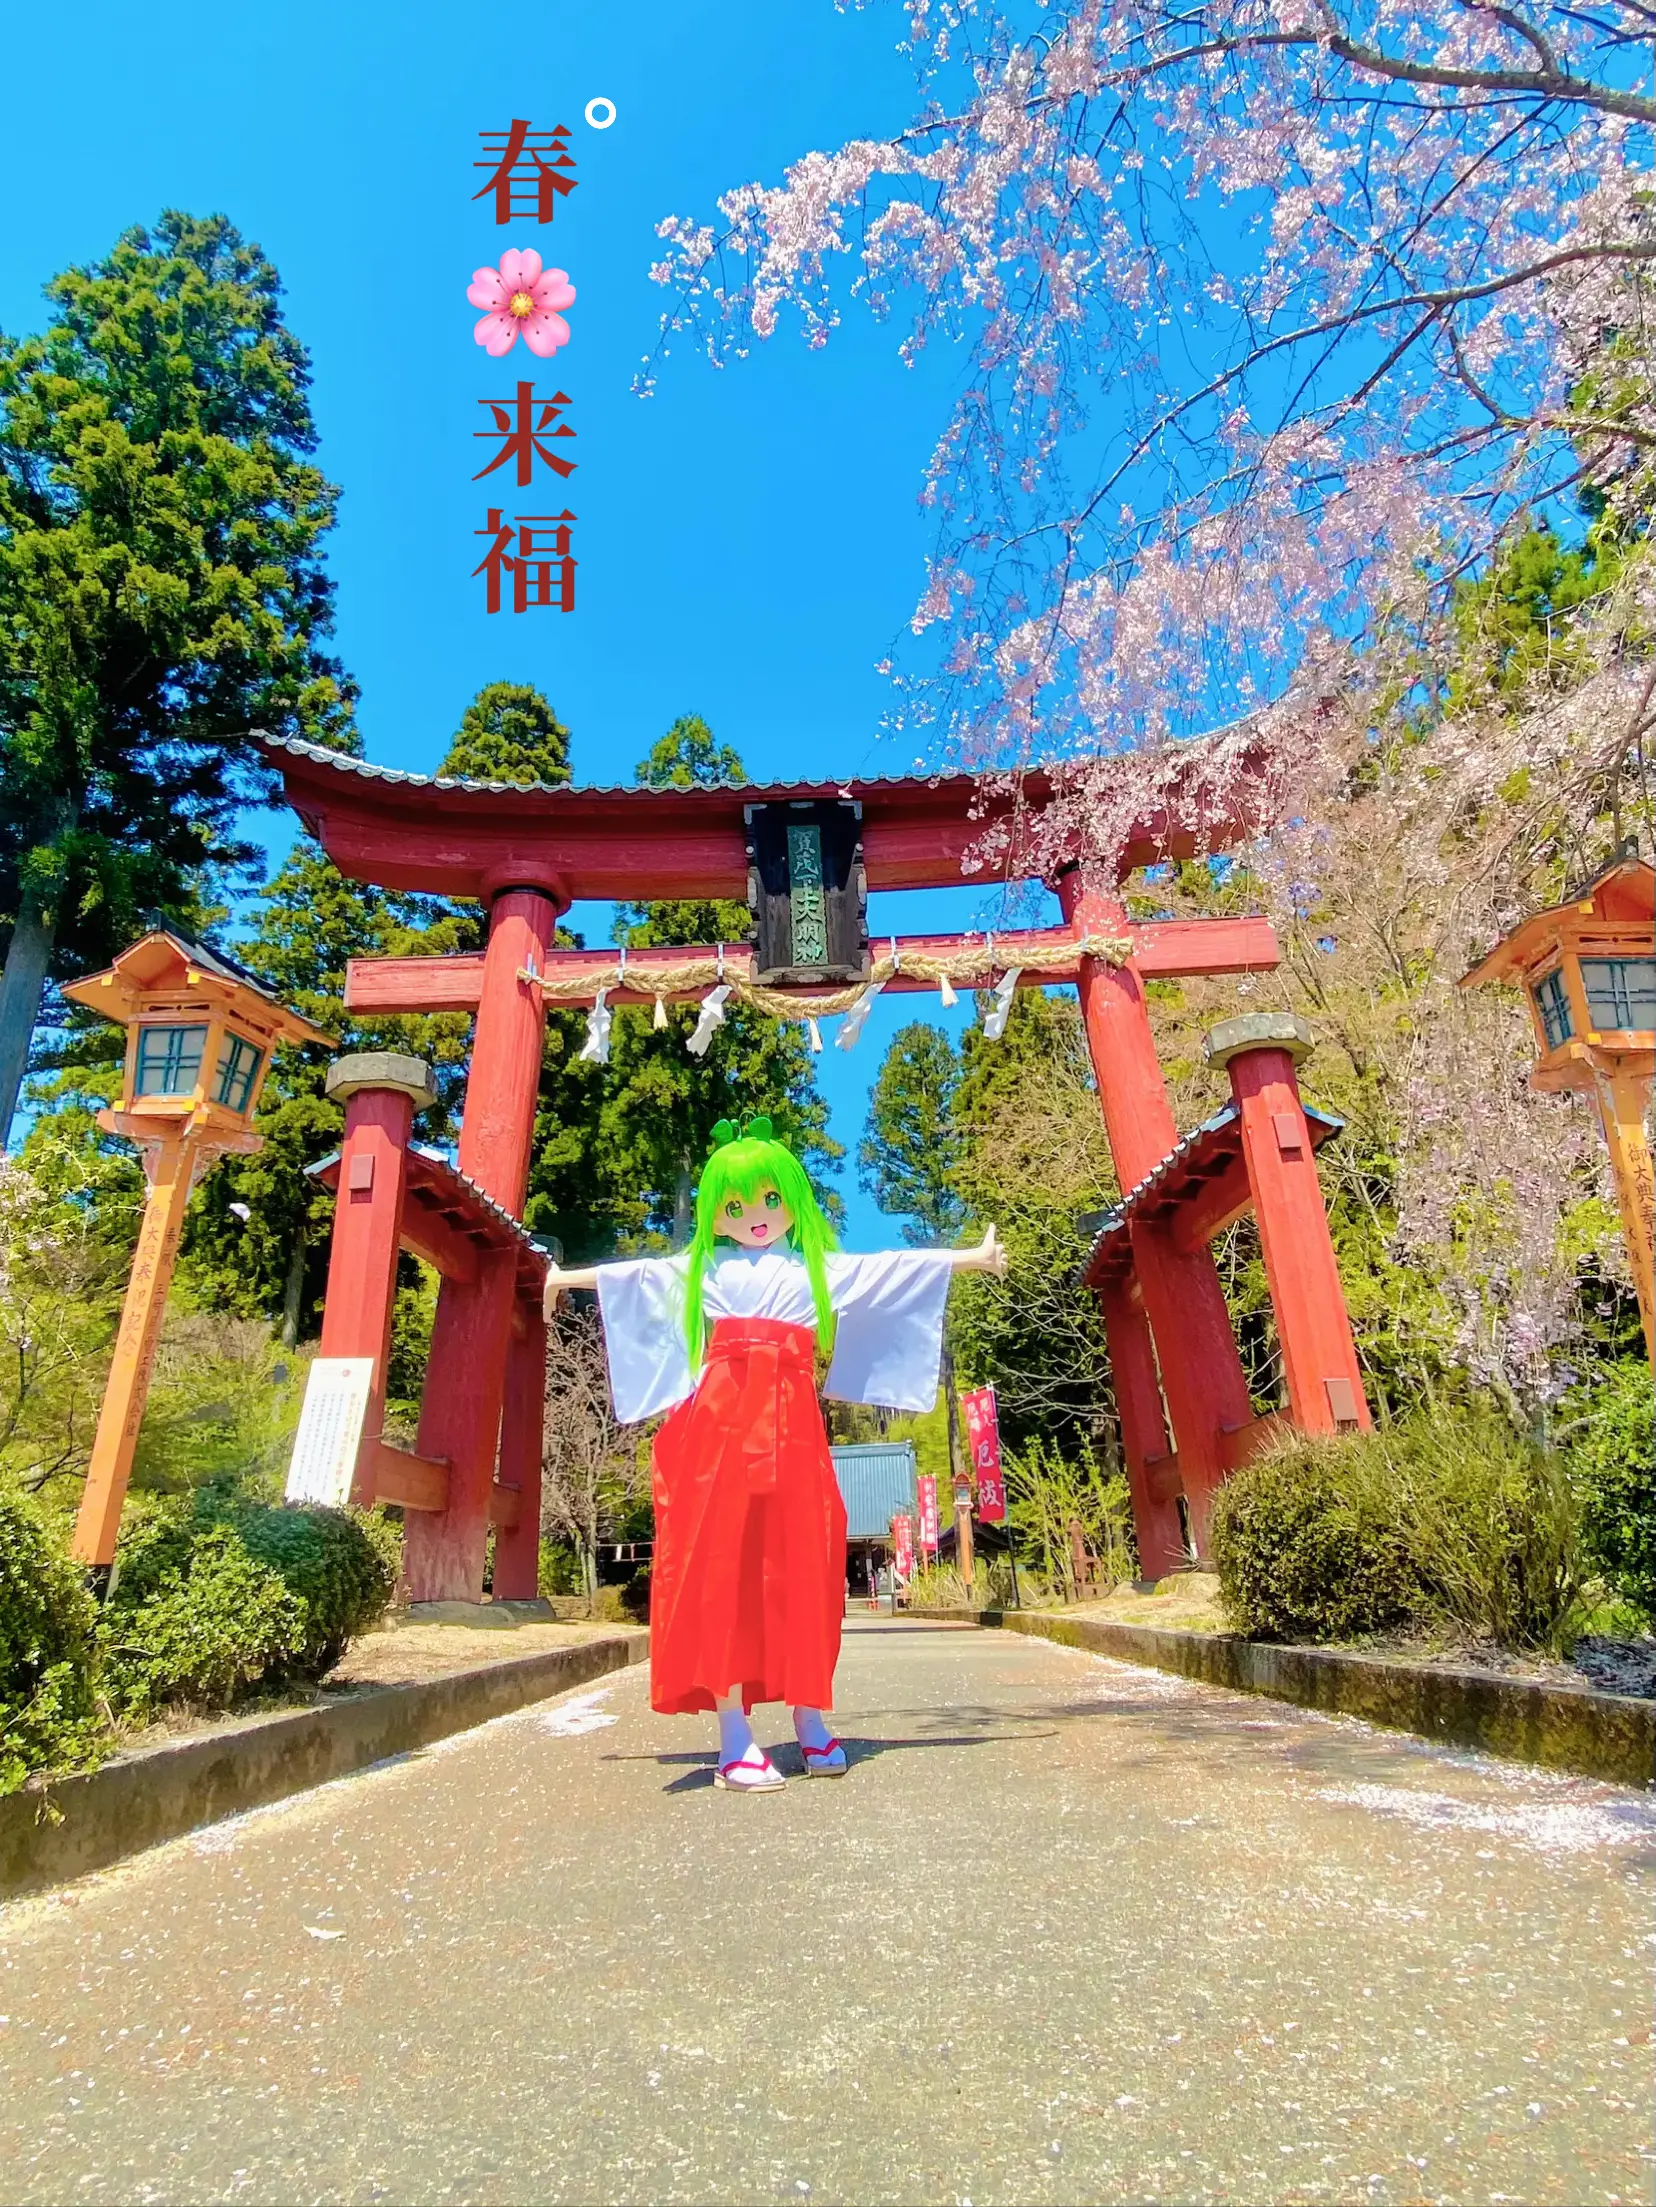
443,1550
466,1378
1201,1372
1144,1442
517,1547
1324,1381
381,1091
504,1074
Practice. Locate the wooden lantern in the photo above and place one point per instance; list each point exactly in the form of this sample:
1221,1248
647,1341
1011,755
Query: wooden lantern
200,1033
1588,970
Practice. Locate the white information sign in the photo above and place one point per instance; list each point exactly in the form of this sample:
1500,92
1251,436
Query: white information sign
330,1429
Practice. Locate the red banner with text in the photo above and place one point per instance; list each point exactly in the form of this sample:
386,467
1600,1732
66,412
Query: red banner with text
983,1442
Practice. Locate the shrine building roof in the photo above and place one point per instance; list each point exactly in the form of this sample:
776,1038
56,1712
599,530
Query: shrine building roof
449,837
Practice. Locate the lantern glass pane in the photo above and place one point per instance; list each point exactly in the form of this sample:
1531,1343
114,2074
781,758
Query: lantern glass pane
169,1060
1554,1007
238,1069
1621,992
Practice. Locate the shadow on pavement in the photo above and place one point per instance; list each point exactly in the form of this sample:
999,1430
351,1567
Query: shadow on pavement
699,1770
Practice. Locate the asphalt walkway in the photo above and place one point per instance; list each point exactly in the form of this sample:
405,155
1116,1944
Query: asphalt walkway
1068,1931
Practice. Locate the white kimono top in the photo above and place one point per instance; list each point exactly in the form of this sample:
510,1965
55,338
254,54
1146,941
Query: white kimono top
887,1348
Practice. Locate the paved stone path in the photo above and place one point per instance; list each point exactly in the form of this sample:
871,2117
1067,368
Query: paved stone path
1069,1931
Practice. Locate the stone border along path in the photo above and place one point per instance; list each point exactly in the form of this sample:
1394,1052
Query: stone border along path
87,1822
1579,1729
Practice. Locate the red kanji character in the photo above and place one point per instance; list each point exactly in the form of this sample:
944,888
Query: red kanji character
515,424
542,573
524,179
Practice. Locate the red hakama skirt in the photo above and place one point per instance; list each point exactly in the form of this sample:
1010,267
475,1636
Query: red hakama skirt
748,1586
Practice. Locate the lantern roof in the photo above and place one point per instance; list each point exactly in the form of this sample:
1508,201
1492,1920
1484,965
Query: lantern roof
164,963
1622,899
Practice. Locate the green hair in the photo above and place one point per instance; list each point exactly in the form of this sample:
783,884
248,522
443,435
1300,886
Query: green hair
741,1168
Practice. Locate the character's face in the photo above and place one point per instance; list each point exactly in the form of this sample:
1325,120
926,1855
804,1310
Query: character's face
757,1224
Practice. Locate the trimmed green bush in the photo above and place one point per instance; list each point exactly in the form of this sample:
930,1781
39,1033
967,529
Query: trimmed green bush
1303,1546
194,1619
342,1566
49,1716
1493,1527
1614,1461
1451,1521
214,1596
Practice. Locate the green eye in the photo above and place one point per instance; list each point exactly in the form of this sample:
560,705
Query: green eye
773,1202
733,1210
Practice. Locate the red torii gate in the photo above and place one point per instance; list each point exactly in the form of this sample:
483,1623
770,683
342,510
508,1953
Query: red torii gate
527,854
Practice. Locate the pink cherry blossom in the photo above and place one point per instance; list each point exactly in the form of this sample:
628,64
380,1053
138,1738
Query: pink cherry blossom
523,300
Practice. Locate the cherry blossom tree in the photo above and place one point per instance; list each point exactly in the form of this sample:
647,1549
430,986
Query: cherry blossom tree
1277,315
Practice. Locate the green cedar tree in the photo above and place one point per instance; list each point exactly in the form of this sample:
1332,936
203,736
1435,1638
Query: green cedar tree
161,593
908,1158
509,733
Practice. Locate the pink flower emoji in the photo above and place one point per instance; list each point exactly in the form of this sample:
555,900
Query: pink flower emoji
522,299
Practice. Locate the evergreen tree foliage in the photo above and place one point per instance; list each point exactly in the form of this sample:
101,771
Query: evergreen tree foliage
910,1154
1513,624
689,756
161,592
509,733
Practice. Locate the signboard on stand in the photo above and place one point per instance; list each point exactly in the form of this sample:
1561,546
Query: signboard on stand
983,1441
330,1430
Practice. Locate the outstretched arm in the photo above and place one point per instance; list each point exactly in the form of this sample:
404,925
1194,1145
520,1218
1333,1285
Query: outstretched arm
989,1255
558,1282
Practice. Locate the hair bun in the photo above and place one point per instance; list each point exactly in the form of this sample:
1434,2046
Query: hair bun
758,1130
724,1132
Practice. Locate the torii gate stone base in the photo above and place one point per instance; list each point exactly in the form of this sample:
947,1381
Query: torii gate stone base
526,854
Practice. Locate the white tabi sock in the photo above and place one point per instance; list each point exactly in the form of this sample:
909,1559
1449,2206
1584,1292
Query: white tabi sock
736,1741
810,1728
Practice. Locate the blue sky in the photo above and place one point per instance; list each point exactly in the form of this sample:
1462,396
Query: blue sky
749,538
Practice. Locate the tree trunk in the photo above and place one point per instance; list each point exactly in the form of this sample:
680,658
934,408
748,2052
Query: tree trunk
26,962
589,1573
683,1209
293,1293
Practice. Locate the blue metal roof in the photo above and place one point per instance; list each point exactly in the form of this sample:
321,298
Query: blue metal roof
876,1480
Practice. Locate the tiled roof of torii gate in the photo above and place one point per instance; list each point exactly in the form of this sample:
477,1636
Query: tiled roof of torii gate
448,837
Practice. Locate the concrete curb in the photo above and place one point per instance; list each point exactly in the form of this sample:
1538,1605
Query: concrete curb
1596,1735
87,1822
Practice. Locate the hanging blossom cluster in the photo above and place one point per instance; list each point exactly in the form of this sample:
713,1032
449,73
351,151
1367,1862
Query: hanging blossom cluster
1490,1183
1278,314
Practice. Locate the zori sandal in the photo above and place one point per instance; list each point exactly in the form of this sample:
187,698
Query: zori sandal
824,1762
746,1777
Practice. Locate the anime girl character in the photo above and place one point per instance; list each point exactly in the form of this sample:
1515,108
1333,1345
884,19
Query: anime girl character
748,1587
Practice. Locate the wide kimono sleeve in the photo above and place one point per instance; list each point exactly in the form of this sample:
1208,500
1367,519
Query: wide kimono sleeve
890,1339
642,1305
